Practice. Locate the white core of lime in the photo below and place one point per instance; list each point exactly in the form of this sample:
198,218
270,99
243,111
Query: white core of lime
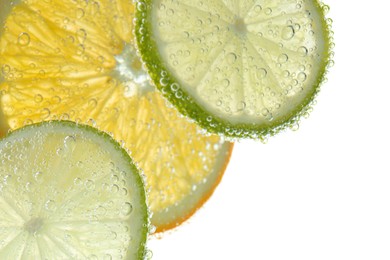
250,63
69,192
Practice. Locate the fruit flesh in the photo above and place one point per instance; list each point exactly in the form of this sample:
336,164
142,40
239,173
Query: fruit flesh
78,62
250,68
68,191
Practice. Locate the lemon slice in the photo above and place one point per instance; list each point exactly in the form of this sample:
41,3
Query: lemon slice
239,68
65,59
68,191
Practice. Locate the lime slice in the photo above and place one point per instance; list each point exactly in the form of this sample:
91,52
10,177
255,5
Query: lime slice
66,59
238,68
68,191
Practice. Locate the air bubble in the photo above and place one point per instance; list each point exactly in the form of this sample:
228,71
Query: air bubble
24,39
301,76
80,13
77,181
231,58
226,83
258,8
175,87
288,32
38,98
90,185
92,102
164,82
265,112
170,12
126,208
45,113
38,176
262,73
80,49
283,58
141,6
114,188
294,126
268,11
69,141
302,51
81,35
325,9
108,256
6,69
50,205
241,106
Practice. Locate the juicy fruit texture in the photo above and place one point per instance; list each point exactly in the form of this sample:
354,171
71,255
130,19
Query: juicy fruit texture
240,68
69,192
65,59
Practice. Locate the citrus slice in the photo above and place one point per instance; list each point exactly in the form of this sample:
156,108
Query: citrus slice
76,60
239,68
68,191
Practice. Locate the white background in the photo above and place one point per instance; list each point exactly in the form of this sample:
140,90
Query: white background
321,192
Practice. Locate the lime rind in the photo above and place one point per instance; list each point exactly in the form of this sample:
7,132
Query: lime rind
136,180
168,85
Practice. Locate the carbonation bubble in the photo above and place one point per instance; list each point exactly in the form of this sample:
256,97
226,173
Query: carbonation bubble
288,32
226,82
174,87
231,58
301,76
77,181
90,185
24,39
5,69
50,205
262,73
241,106
268,11
170,12
38,176
38,98
69,141
258,8
283,58
303,51
80,13
45,113
92,102
81,35
127,208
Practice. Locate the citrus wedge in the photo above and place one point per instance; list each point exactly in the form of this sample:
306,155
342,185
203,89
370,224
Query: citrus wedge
69,192
76,60
239,68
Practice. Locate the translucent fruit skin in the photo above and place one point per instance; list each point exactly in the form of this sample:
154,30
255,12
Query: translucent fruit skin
69,191
185,101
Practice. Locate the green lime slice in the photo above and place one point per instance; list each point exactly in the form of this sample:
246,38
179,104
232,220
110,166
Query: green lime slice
68,191
238,68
